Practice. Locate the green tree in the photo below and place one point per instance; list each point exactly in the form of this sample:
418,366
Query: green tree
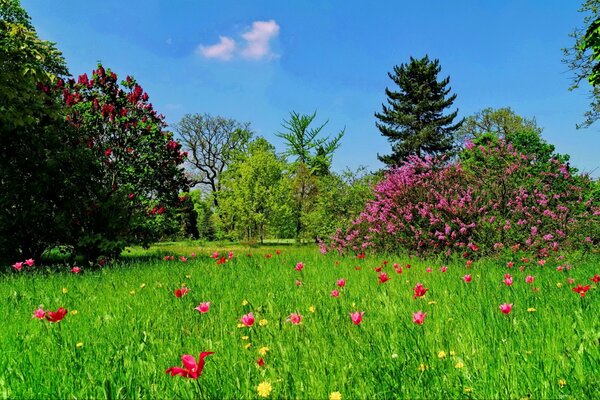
502,122
413,119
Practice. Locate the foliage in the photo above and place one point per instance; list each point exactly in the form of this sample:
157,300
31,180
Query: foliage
212,143
496,198
413,119
205,216
134,192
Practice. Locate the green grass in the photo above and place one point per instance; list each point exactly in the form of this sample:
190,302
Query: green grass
133,328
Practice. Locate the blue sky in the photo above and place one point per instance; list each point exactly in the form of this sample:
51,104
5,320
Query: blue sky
256,61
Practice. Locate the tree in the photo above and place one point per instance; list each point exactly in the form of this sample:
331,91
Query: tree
583,58
502,122
212,143
413,119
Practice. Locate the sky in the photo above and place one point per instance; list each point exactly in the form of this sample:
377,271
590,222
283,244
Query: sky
256,61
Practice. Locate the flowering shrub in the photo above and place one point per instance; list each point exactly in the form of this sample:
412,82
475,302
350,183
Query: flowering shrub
495,198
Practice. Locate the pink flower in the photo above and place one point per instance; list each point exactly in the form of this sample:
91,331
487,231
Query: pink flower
298,282
341,282
571,281
335,293
595,278
179,293
383,277
467,278
469,263
419,290
192,369
193,255
508,280
444,268
510,264
183,258
17,266
419,317
39,313
542,262
230,255
398,270
299,266
215,254
295,318
75,269
203,307
248,319
30,262
357,317
428,270
529,279
559,268
506,308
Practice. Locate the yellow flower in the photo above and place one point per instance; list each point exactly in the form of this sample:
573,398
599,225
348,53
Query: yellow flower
441,355
312,310
562,383
263,351
65,290
262,322
79,345
422,367
240,325
159,285
467,390
432,302
189,276
353,305
132,292
335,396
74,312
559,285
459,365
244,337
452,353
143,285
264,389
244,302
247,346
531,309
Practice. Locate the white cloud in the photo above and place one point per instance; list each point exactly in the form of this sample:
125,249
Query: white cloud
258,40
222,51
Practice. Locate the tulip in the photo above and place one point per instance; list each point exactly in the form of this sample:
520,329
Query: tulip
467,278
357,317
192,369
419,317
506,308
248,319
341,282
56,316
295,318
203,307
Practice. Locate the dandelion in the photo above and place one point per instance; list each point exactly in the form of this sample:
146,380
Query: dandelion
452,353
264,389
245,337
459,365
531,309
247,346
74,312
79,345
562,383
441,355
311,309
467,389
244,302
335,396
65,290
263,351
422,367
559,285
263,322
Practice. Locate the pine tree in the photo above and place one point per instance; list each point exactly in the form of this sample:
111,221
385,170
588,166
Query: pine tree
413,120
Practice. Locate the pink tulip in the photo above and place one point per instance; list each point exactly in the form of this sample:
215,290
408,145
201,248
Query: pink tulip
295,318
444,268
335,293
529,279
419,290
193,255
17,266
467,278
299,266
341,282
75,269
183,259
419,317
192,369
203,307
298,282
508,280
215,254
230,255
39,313
506,308
248,319
428,270
357,317
30,262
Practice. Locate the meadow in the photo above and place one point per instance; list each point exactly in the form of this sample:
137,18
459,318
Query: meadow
125,326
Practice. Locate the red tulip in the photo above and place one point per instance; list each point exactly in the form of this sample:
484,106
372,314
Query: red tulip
595,278
467,278
419,290
179,293
192,369
56,316
383,277
581,289
261,362
506,308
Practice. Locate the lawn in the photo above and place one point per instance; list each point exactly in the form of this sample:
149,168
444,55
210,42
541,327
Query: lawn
125,327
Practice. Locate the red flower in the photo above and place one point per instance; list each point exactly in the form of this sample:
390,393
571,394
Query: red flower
261,362
581,289
179,293
56,316
419,290
595,278
378,269
192,369
383,277
221,261
361,256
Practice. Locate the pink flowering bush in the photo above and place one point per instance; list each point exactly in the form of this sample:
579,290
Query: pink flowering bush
495,198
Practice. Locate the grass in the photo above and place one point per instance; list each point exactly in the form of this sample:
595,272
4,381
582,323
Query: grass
125,327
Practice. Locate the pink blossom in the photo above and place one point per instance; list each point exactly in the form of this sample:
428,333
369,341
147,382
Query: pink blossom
506,308
295,318
299,266
529,279
203,307
341,282
357,317
444,268
75,269
383,277
508,280
419,317
230,255
467,278
428,270
30,262
17,266
248,319
298,282
183,258
215,254
335,293
39,313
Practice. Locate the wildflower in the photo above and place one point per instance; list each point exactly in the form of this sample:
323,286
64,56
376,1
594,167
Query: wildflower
419,317
335,396
215,255
581,289
221,261
74,312
422,367
295,318
432,302
510,264
469,263
467,389
132,292
529,279
75,269
378,269
39,313
311,309
452,353
357,317
467,278
298,282
531,309
261,362
244,302
245,337
248,319
203,307
263,351
394,355
508,280
65,290
56,316
247,346
558,285
360,256
383,277
441,355
570,281
341,282
444,268
268,255
263,322
193,255
562,383
18,266
179,293
29,262
278,252
398,270
183,259
428,270
230,255
459,365
595,278
264,389
335,293
143,285
299,266
192,369
506,308
559,268
79,345
419,290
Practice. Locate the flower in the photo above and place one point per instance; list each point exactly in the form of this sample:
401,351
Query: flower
192,369
444,268
357,317
263,351
263,322
428,270
467,278
79,345
506,308
311,309
183,258
295,318
562,383
244,302
299,266
508,280
422,367
341,282
39,313
531,309
335,396
261,362
571,281
268,255
419,290
65,290
298,282
179,293
75,269
215,254
247,346
30,262
335,293
203,307
595,278
441,355
383,277
17,266
419,317
230,255
221,261
264,389
56,316
360,256
529,279
248,319
459,365
581,289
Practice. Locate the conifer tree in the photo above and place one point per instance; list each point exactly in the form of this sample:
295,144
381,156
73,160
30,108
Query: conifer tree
413,119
